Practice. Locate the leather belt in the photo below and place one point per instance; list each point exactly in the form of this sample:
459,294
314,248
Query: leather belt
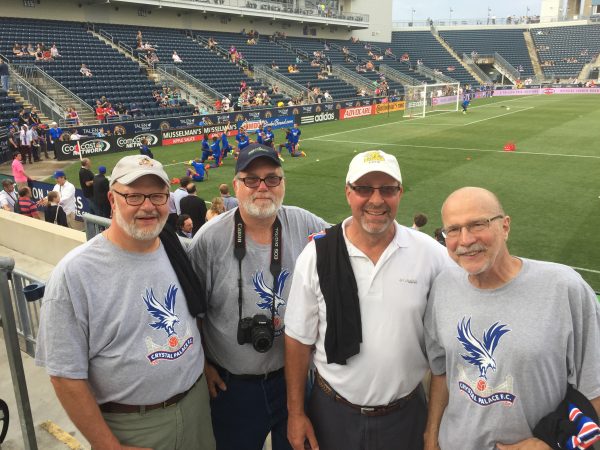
371,411
119,408
249,377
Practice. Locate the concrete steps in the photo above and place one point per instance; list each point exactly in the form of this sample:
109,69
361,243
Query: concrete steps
535,62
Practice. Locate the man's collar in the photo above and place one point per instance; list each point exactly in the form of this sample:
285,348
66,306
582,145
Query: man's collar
400,238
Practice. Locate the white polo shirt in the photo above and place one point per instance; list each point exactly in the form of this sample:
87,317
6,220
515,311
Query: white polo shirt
67,197
393,295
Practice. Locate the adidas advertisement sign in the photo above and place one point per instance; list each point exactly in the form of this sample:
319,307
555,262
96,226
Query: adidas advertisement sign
325,116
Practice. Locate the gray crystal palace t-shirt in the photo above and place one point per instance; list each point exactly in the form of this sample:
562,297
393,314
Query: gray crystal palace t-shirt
120,320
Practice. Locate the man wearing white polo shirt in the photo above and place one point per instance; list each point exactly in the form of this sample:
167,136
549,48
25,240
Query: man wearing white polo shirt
358,296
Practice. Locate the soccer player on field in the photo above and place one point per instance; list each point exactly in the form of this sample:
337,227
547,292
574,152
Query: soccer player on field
216,152
242,139
225,146
465,105
205,148
269,138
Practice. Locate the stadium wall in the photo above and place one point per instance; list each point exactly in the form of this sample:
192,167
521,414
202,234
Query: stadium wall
380,19
146,15
38,239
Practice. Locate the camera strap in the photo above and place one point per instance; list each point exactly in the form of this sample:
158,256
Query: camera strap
239,251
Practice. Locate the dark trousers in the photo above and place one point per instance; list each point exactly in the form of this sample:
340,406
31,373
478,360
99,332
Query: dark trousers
247,411
26,154
339,427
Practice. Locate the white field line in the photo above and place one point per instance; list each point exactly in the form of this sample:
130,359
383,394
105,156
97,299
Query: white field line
376,144
585,270
495,117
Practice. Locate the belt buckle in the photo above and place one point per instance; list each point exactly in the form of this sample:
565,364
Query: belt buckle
365,411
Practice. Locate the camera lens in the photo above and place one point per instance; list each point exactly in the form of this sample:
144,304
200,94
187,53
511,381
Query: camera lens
262,339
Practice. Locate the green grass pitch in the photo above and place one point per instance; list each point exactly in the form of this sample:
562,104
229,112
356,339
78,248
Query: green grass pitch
549,185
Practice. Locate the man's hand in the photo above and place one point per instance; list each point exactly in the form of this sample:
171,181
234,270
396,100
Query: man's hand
299,430
431,442
214,380
527,444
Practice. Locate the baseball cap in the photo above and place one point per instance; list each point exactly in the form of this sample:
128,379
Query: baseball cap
102,169
130,168
373,161
254,151
59,173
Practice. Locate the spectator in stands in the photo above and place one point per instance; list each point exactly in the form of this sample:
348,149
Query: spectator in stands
225,104
419,221
30,50
139,39
228,201
34,119
18,172
212,43
72,117
216,208
109,112
25,139
17,51
185,226
54,211
55,134
135,110
27,207
193,206
101,187
176,58
54,51
4,75
369,66
75,136
67,196
8,196
85,71
181,192
86,181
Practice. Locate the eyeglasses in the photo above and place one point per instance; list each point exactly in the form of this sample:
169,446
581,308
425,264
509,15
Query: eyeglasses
254,182
157,199
367,191
475,227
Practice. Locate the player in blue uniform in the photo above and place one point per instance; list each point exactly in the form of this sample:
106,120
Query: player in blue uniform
145,150
260,134
291,145
295,135
225,146
242,139
197,171
269,138
216,152
465,105
206,153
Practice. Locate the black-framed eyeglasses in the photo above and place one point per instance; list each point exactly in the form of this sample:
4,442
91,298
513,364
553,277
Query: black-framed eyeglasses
367,191
254,182
477,226
135,199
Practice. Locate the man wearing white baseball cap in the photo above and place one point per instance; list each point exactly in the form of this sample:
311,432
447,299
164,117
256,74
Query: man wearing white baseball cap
358,296
118,333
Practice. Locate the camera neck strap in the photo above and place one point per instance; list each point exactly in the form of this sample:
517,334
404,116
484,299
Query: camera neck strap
239,251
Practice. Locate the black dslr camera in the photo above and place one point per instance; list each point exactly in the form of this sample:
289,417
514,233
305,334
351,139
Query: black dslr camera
258,331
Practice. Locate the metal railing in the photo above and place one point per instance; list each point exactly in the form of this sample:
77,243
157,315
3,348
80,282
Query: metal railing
33,95
353,78
396,75
511,71
287,85
15,328
517,22
469,61
438,76
195,83
193,96
41,79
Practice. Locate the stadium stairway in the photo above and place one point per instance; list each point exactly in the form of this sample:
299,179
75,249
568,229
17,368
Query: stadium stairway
458,59
533,56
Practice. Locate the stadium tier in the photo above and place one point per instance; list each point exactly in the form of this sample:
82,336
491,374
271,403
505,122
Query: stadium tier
422,45
114,76
9,109
563,51
510,44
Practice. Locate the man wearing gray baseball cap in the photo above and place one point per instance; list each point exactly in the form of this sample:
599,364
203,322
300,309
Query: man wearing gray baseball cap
118,333
358,297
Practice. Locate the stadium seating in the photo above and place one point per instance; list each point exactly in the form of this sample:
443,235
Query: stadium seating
9,109
424,46
114,76
510,44
579,43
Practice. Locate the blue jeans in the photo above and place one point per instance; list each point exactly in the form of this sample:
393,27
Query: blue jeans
247,411
4,79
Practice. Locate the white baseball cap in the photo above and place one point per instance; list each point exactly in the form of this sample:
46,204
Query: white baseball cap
373,161
130,168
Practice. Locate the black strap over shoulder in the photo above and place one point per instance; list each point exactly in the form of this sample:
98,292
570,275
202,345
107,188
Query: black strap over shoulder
343,335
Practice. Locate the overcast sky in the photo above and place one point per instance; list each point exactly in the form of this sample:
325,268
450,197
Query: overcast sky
462,9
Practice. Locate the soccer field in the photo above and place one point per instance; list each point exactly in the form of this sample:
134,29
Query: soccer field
549,185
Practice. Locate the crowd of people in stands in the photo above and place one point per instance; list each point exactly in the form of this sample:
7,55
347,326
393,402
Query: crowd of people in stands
40,52
167,97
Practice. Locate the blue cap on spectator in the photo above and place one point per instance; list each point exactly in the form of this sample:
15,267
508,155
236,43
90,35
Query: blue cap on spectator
253,151
59,173
102,169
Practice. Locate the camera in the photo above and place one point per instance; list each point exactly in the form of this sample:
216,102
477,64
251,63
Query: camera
258,331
